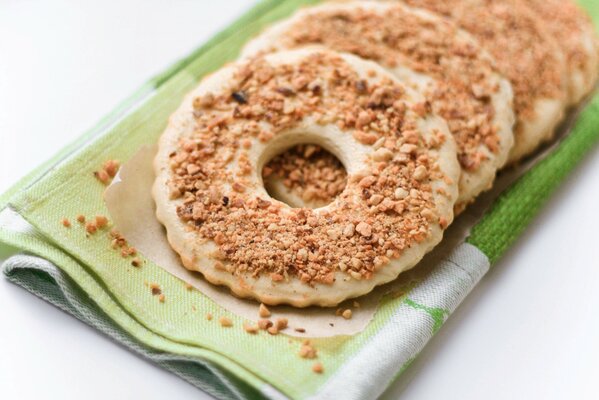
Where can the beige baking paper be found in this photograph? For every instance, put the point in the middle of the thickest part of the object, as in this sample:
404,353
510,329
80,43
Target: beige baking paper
131,206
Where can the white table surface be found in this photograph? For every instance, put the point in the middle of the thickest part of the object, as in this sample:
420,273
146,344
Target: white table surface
529,330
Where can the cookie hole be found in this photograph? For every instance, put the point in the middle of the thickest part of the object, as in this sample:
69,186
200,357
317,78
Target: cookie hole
305,175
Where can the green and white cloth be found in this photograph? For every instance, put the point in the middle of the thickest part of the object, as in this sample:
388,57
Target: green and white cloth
86,278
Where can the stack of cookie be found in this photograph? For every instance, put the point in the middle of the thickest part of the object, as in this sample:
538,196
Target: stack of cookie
371,124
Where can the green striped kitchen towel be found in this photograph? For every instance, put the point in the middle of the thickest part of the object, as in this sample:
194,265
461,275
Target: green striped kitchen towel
95,284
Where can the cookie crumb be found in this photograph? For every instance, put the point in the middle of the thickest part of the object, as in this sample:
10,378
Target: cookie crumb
264,324
136,262
209,316
356,304
347,314
81,218
273,330
188,286
225,322
300,330
91,228
101,221
307,350
102,176
155,288
318,368
281,323
66,223
161,298
249,328
263,311
111,167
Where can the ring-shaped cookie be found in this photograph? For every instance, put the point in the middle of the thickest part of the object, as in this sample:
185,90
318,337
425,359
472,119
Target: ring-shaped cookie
442,61
400,159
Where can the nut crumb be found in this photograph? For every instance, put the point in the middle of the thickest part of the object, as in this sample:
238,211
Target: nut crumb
155,288
264,324
307,350
101,221
273,330
250,328
66,223
225,322
347,314
136,262
263,311
102,176
209,316
91,228
80,218
281,323
318,368
111,167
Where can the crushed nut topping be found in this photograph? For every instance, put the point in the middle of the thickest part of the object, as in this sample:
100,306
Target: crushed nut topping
311,172
261,237
397,36
569,24
510,31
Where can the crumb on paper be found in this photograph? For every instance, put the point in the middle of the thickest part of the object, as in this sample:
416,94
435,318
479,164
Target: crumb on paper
161,298
281,323
263,311
209,316
347,314
136,262
66,223
264,324
81,218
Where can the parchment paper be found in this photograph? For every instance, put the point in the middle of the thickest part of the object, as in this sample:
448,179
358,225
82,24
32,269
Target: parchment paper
132,210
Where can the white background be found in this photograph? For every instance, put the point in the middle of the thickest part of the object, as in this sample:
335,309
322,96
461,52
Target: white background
529,330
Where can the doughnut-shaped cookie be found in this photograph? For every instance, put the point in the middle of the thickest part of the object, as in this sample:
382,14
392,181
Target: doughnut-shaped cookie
525,53
400,160
573,30
446,64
